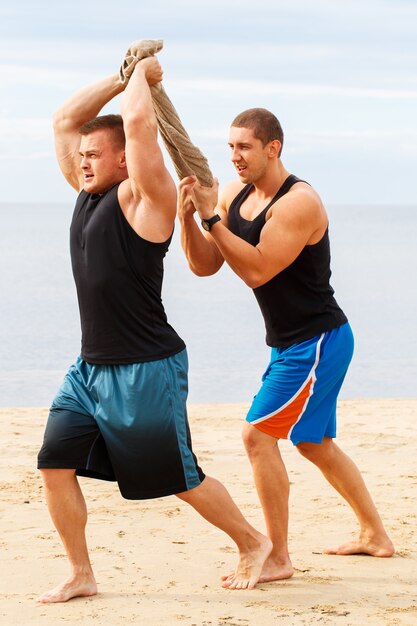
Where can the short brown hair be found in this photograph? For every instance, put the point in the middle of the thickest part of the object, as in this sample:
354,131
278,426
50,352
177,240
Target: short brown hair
110,122
264,124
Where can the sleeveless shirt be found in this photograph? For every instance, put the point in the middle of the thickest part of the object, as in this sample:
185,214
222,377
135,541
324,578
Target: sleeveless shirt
118,276
297,303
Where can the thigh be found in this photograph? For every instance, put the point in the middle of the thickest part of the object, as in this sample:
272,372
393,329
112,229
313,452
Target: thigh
319,418
285,389
143,419
73,441
78,389
297,400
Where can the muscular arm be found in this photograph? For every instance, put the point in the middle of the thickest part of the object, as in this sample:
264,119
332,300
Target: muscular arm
81,107
151,208
296,220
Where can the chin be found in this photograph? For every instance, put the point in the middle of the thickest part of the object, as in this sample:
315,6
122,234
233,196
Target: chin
92,188
244,178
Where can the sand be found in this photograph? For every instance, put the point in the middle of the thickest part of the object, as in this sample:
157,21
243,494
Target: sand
157,563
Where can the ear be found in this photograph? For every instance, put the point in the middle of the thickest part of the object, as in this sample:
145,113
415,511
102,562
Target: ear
274,149
122,159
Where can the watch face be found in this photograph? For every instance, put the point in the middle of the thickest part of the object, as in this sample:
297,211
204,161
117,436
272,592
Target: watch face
207,224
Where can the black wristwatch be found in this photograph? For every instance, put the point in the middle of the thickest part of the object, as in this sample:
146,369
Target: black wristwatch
208,224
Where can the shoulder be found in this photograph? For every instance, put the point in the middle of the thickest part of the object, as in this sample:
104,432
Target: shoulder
301,199
301,209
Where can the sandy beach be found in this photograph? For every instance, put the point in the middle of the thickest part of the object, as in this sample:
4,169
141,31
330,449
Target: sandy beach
157,563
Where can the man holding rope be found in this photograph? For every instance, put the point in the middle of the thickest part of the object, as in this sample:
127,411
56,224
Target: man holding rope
120,414
272,230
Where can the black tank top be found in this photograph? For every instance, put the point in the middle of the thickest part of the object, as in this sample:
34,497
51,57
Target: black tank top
297,303
119,279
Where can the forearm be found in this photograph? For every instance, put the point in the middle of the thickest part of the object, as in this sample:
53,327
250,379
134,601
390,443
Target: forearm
203,256
242,257
87,103
137,107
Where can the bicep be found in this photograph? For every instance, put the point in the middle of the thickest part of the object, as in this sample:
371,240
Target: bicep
282,240
149,178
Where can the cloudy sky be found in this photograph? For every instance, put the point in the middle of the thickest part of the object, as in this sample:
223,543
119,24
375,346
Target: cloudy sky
340,76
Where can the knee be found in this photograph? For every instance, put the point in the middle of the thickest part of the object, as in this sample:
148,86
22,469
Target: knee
249,438
186,496
255,441
55,478
200,493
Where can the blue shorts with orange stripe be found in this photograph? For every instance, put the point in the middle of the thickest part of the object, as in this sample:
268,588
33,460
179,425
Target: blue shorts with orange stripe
297,400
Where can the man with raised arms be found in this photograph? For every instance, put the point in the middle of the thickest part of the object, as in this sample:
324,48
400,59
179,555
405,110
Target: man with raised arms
120,413
272,230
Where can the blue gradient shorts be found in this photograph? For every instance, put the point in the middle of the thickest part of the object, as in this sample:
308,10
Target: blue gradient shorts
126,423
297,400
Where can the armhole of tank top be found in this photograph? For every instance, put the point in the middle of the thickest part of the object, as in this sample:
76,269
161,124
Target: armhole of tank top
291,180
80,203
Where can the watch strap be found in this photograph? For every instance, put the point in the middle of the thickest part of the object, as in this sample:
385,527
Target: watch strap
208,224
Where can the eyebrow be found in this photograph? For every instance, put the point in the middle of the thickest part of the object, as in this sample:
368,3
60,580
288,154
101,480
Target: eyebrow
239,143
87,152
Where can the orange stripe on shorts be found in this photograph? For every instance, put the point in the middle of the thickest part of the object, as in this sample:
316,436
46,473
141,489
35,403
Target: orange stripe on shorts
279,424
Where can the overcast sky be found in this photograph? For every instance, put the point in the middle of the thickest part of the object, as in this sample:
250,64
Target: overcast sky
340,76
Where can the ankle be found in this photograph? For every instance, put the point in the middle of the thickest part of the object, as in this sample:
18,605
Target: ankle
82,571
280,557
373,534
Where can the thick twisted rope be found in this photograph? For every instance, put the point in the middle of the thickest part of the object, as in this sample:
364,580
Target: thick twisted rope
186,157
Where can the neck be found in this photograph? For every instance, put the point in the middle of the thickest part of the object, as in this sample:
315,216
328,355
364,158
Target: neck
271,181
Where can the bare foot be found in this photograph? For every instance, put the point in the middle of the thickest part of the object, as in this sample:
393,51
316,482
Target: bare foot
382,547
250,566
74,587
276,570
273,569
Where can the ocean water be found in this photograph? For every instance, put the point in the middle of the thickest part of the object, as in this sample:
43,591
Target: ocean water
374,264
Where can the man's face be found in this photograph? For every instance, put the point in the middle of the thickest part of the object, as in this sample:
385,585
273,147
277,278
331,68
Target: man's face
248,155
100,161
